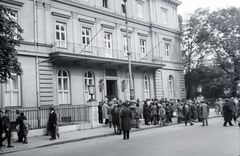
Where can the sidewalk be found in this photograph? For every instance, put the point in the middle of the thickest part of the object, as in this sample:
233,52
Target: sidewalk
43,141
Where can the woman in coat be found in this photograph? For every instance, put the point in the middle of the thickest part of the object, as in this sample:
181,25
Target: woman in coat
126,121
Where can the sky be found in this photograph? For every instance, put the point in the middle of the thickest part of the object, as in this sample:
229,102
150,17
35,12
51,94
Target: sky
189,6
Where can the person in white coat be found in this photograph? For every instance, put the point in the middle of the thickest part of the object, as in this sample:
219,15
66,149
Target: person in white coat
105,115
204,111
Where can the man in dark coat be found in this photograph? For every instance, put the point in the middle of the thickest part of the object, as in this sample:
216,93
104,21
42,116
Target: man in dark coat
126,121
7,129
146,113
53,123
115,118
227,113
19,122
100,118
187,114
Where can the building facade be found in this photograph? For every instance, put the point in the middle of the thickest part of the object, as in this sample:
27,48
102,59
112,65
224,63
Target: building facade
69,44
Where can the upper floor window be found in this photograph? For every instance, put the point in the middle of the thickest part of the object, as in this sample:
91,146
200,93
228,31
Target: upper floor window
142,46
105,3
164,16
170,87
61,34
167,51
63,87
12,92
140,10
86,37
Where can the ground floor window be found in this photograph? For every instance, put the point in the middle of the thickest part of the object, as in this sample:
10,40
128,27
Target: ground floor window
63,87
12,92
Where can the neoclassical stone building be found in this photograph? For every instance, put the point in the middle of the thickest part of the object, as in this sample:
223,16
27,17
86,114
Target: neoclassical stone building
69,44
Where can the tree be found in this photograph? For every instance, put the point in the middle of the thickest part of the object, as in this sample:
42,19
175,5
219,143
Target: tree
9,38
224,39
193,38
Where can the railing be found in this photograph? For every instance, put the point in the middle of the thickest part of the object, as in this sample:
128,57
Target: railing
38,117
104,52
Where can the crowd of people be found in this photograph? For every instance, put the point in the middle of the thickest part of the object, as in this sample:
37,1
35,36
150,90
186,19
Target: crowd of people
161,112
121,115
22,127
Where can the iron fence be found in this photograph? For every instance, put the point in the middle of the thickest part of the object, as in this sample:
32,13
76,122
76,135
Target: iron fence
38,117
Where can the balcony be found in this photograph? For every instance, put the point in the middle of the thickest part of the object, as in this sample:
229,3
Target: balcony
79,52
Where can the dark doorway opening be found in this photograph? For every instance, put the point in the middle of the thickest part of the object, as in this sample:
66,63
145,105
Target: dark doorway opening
111,88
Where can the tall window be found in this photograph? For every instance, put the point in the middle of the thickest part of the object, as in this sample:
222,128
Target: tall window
123,7
86,37
125,45
170,87
167,51
143,46
108,44
61,34
105,3
63,87
13,15
146,87
140,10
12,92
88,79
164,16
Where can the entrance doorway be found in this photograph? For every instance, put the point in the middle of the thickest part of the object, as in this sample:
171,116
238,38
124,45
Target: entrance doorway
111,88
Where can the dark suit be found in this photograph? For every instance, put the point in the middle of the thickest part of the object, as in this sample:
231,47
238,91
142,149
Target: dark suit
19,121
7,129
53,123
126,122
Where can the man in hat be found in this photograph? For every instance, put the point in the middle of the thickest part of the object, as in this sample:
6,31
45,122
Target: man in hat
1,128
126,116
19,122
7,129
52,123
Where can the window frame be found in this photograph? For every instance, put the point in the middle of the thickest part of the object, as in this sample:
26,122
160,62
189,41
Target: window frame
143,47
167,51
164,16
105,3
146,87
62,90
88,48
61,43
12,90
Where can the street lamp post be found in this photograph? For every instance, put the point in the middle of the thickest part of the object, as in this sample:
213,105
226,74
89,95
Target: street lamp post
199,90
129,53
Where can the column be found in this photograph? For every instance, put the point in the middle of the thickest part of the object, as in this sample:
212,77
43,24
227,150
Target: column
40,22
48,24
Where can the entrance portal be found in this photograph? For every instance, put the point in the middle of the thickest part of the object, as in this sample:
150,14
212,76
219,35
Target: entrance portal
111,88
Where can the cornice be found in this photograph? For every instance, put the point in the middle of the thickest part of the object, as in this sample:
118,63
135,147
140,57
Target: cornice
142,34
86,21
61,15
125,30
13,2
108,26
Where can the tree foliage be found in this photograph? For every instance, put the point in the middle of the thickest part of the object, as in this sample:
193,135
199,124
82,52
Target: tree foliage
9,38
224,39
216,33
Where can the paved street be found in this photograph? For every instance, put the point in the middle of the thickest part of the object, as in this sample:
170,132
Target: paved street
175,140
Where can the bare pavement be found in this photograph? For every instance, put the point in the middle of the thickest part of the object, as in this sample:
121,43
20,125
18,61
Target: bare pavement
67,137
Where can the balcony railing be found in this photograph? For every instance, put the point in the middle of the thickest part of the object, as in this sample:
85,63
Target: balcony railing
38,117
104,52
